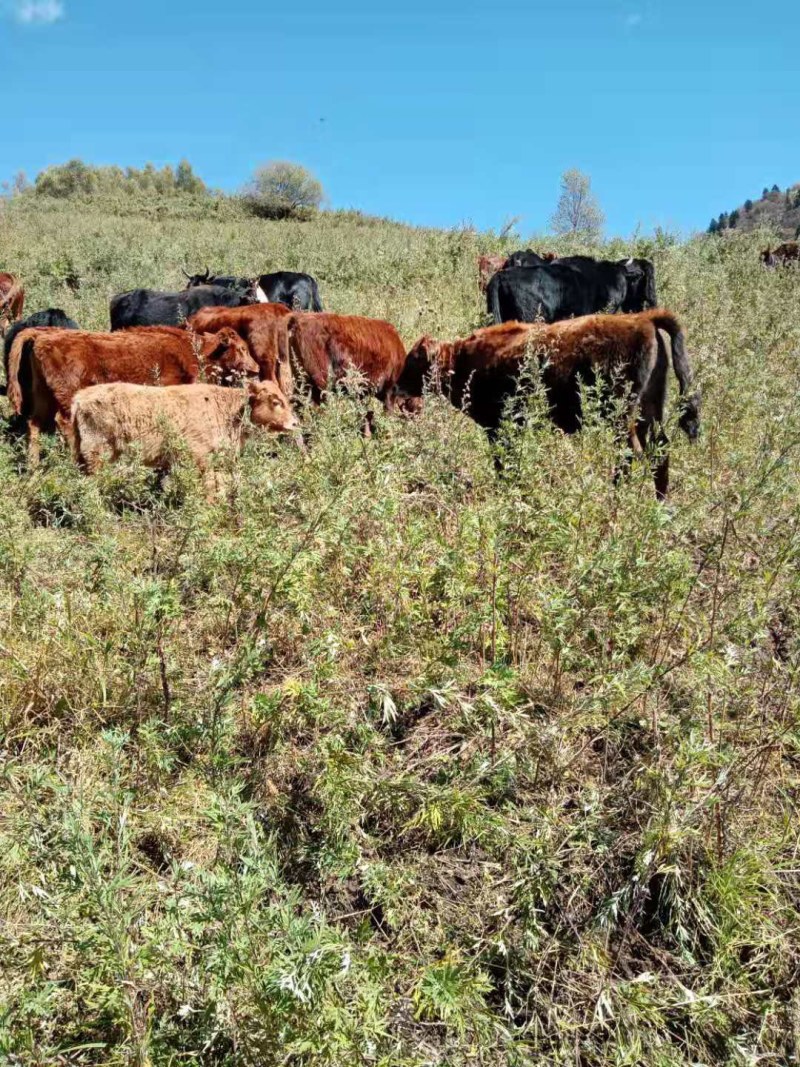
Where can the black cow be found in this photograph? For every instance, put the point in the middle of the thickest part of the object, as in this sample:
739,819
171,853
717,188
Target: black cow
50,317
528,258
571,286
227,281
148,307
297,291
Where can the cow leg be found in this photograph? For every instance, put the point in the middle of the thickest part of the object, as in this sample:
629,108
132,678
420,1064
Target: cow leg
34,444
660,464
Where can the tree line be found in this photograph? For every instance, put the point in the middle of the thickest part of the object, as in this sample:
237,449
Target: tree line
278,189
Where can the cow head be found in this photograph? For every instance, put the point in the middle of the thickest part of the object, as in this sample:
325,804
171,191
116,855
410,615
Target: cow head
640,279
193,280
525,258
419,363
227,356
270,408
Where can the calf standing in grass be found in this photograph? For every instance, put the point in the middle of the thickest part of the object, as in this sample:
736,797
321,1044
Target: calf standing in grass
629,352
108,419
326,346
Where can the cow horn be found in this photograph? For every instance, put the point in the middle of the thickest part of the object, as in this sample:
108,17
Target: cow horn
185,273
629,261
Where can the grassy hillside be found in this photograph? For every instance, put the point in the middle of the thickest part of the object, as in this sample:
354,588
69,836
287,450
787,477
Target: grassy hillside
384,759
776,211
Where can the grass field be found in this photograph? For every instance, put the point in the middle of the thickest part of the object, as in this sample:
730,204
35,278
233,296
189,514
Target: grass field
384,758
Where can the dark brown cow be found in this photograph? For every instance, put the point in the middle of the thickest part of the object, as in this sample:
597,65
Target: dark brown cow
789,252
263,328
488,266
12,300
627,351
48,367
326,346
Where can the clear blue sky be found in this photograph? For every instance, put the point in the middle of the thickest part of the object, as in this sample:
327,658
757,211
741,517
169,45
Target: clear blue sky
434,112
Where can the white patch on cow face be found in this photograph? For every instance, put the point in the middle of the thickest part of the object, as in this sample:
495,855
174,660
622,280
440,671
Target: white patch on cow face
261,296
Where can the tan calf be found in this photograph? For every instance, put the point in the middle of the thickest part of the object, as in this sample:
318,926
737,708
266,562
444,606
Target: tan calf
109,419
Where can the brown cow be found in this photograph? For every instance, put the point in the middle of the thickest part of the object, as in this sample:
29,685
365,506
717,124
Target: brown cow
12,300
488,266
325,346
789,252
627,351
47,367
263,327
108,419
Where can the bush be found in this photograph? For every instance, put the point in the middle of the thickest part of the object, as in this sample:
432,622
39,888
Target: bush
282,190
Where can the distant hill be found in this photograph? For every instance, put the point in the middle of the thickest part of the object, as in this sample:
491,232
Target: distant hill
778,210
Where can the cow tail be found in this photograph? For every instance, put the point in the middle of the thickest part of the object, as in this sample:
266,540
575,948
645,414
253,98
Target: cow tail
690,415
20,371
316,302
493,299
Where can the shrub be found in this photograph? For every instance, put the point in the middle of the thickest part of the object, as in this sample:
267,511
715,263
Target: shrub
283,190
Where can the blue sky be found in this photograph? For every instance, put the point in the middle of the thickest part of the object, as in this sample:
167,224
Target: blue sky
434,112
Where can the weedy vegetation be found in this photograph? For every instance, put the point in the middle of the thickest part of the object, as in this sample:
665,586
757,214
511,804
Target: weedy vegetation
385,756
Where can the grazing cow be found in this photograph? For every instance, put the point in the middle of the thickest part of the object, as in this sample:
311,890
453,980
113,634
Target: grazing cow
52,317
48,367
628,352
263,327
108,419
147,307
789,252
12,300
326,346
487,267
573,286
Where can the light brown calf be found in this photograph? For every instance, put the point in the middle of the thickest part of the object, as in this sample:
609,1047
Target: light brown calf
108,419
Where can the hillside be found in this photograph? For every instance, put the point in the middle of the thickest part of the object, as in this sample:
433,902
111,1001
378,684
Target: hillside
383,757
776,211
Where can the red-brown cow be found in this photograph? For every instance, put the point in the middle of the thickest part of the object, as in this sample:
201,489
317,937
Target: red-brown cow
488,266
263,328
789,252
629,352
12,300
48,367
326,346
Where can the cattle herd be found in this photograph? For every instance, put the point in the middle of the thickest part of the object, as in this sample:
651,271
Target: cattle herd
227,353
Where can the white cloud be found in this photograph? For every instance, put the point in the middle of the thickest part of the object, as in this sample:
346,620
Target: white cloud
634,19
37,12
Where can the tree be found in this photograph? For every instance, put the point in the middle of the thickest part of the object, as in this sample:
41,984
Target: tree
776,188
186,180
748,205
74,178
577,211
281,189
733,219
712,226
765,193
